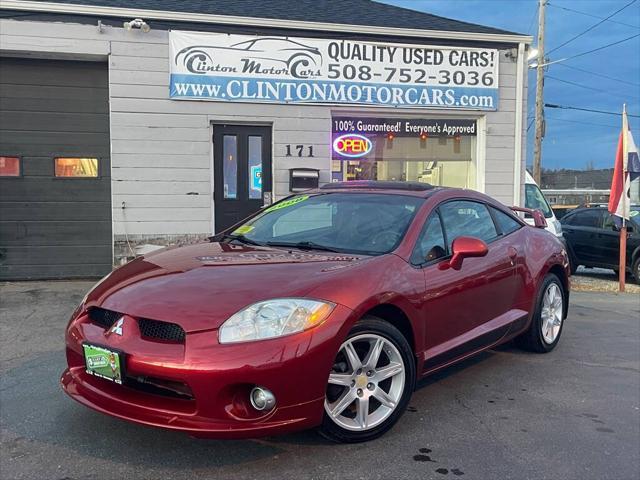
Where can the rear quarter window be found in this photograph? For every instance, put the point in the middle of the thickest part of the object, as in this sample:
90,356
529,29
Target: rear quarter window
506,223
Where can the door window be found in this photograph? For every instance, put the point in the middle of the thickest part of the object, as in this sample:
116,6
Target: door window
431,244
465,218
230,166
609,221
255,166
587,218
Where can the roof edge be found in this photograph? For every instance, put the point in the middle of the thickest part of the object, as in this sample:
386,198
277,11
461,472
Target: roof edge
52,7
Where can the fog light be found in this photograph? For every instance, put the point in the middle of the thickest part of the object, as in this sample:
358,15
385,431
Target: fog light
262,399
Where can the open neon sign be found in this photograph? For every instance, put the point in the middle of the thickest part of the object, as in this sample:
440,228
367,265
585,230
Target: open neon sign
352,145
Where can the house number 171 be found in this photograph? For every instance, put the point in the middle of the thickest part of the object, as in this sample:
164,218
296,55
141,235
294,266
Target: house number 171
300,150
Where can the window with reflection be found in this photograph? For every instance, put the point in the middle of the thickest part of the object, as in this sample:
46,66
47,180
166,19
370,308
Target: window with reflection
431,245
469,219
72,167
230,166
255,167
9,166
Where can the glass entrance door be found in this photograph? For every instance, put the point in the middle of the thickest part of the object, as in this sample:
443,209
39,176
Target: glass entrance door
242,172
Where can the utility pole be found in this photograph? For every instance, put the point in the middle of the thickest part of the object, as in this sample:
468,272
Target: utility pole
537,146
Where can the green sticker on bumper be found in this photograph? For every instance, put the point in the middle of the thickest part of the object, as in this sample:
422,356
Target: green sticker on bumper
103,363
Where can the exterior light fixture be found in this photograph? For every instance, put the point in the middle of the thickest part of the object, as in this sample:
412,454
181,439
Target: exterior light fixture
137,23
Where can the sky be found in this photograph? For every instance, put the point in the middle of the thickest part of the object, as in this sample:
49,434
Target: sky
574,139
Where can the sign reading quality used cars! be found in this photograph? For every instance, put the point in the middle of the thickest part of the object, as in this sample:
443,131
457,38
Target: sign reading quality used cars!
223,67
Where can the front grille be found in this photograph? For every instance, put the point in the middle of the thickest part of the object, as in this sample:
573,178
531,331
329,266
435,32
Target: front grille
104,318
169,332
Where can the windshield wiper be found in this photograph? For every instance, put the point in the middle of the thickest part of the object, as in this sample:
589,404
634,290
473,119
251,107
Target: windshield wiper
241,239
304,246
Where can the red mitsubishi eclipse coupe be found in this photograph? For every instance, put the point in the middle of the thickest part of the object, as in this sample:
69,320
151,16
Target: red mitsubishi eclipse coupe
323,309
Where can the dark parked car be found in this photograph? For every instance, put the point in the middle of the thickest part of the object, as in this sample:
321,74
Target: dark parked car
593,239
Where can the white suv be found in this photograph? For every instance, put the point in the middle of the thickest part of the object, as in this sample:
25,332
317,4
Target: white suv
534,199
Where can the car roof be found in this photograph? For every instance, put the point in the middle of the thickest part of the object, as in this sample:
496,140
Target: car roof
414,189
417,189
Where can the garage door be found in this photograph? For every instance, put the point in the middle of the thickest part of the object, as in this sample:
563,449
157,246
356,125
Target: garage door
55,185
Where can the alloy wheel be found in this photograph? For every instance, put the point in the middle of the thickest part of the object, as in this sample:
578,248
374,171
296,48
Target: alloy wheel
551,313
366,382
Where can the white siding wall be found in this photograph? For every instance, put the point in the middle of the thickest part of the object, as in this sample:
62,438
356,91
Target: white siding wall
161,148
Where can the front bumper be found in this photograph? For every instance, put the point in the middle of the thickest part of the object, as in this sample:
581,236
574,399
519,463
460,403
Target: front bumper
218,379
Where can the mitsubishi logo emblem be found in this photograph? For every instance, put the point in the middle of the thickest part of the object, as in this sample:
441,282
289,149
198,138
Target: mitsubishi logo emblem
117,328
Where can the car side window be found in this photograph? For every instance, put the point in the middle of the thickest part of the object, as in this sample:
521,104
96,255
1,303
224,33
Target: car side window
506,223
587,218
469,219
431,244
609,222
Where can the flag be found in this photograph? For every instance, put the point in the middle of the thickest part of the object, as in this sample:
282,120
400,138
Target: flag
626,169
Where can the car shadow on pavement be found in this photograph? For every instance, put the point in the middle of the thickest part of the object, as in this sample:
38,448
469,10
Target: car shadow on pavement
35,408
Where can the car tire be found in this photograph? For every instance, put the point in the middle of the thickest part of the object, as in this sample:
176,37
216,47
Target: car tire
547,322
573,266
636,270
368,382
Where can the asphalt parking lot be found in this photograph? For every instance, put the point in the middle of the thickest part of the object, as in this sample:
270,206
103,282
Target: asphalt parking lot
507,414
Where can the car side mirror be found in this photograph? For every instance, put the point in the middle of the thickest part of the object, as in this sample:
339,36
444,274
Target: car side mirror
464,247
538,217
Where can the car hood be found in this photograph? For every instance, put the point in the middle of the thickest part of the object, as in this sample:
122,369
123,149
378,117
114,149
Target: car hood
200,286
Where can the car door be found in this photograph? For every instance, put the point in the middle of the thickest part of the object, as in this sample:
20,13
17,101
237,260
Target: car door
469,308
581,230
608,242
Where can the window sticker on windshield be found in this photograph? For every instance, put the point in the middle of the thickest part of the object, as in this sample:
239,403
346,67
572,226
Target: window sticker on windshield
241,230
287,203
633,213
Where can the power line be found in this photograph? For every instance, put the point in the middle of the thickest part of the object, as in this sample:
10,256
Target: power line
591,27
530,123
593,16
565,107
591,51
590,88
581,123
533,17
599,75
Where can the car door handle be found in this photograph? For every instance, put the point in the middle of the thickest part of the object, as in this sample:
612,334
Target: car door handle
513,253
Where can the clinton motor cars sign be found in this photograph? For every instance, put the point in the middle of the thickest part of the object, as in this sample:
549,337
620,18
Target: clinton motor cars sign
241,68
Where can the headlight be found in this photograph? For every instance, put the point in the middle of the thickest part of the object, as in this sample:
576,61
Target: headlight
274,318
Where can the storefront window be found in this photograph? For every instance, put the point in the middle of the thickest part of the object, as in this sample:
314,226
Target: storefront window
438,152
76,167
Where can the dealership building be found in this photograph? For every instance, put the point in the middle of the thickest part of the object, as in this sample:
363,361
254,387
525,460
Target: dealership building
128,125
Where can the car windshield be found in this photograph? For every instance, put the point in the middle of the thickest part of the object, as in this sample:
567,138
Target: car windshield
358,223
535,200
635,216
